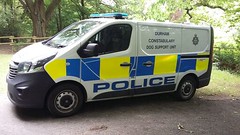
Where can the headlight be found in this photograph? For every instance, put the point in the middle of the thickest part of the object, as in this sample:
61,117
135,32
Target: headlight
24,67
29,67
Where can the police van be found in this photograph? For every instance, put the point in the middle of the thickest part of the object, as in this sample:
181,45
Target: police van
108,57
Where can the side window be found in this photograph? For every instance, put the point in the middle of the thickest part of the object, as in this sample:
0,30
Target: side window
111,39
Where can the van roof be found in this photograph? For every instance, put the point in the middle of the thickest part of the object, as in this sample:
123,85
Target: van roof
151,23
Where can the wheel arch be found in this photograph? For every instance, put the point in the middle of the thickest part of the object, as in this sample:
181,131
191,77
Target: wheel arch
67,82
192,75
185,90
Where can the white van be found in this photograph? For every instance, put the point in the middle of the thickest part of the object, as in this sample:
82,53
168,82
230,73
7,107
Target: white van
108,57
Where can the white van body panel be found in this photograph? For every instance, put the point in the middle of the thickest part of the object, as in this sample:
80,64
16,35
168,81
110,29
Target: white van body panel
157,41
158,55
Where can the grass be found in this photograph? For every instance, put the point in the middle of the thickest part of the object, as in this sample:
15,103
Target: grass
4,62
222,82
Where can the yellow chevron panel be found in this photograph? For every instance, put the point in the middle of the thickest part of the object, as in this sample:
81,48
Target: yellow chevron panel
110,68
56,69
165,64
202,64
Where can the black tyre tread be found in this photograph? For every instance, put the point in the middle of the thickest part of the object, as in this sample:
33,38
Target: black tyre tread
56,91
178,93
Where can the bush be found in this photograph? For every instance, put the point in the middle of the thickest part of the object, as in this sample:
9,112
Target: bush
228,58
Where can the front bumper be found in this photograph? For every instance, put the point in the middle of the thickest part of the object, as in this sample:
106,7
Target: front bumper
29,90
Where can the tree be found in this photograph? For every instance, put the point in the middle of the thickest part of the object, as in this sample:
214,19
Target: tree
234,18
40,14
10,18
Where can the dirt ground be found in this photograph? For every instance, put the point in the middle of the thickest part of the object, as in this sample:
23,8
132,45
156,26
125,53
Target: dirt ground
6,49
153,115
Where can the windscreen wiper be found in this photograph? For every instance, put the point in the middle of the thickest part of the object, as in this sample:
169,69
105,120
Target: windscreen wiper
60,46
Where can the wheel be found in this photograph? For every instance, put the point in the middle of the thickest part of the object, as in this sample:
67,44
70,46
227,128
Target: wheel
65,100
186,88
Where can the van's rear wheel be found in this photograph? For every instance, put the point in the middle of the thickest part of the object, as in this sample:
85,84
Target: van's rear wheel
65,100
186,88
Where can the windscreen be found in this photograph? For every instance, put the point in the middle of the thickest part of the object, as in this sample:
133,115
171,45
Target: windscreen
72,34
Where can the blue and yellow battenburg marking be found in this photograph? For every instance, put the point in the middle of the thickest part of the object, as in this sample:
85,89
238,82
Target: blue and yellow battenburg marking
91,69
62,67
198,62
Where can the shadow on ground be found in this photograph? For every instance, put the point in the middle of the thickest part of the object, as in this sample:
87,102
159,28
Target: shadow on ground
101,106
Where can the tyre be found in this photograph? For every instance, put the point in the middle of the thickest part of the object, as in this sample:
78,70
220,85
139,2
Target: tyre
186,88
65,100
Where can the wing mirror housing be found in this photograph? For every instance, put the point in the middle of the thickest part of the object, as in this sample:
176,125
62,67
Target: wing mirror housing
91,50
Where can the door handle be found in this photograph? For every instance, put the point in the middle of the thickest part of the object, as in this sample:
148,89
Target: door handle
148,63
125,64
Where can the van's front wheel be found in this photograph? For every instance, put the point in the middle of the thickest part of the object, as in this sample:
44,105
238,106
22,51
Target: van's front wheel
65,100
186,88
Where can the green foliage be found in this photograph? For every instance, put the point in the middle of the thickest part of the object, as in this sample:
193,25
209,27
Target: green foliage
7,26
233,16
70,11
13,21
228,58
158,10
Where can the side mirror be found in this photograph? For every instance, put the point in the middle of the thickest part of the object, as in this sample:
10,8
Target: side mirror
91,50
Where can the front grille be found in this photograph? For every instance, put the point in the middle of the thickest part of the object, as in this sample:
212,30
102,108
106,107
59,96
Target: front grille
13,70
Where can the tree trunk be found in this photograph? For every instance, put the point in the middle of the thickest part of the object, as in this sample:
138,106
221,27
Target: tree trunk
83,12
39,15
39,26
38,19
60,17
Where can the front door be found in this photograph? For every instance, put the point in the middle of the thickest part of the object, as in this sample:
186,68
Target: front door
108,74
